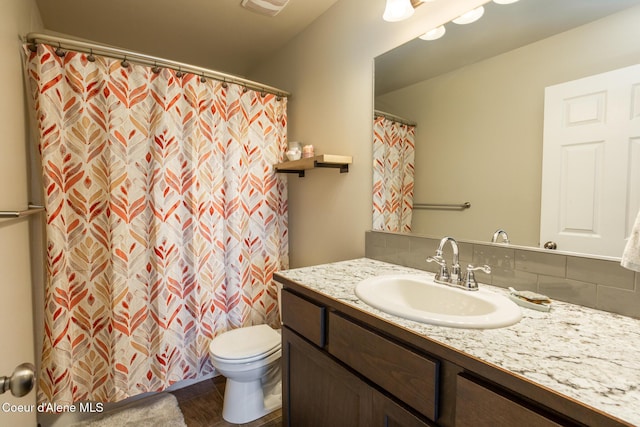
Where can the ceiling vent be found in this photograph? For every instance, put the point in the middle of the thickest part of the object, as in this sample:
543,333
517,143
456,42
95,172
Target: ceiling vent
265,7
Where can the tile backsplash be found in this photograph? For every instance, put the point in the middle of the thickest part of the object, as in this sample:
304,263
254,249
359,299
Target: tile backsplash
590,282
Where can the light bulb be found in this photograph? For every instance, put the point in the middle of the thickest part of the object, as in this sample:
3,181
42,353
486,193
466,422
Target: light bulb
397,10
434,34
469,17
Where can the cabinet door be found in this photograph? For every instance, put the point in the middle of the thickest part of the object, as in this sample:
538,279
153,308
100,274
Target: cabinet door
387,413
410,377
318,392
480,406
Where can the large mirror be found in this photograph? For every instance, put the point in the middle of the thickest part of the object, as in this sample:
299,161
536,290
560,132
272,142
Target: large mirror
476,96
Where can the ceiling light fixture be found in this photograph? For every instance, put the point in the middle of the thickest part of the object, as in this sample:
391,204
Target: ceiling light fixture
265,7
397,10
469,17
434,34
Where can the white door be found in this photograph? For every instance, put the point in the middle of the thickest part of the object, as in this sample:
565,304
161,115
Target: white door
591,162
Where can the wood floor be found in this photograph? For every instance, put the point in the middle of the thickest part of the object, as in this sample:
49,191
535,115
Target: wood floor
201,405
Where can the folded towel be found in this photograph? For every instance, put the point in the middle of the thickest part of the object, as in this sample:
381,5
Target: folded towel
631,254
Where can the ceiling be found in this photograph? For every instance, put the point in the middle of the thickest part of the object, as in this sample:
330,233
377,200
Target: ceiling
216,34
221,35
501,29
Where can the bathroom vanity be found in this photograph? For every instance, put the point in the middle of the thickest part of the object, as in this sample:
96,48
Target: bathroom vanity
348,364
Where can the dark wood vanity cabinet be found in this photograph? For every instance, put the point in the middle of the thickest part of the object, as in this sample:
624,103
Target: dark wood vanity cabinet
405,374
339,370
320,391
479,405
388,413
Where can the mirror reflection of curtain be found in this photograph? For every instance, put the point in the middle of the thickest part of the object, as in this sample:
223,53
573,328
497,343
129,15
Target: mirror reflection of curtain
165,221
393,174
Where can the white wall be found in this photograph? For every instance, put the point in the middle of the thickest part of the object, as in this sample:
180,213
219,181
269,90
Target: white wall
329,71
17,17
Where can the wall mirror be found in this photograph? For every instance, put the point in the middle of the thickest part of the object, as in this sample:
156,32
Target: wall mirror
477,98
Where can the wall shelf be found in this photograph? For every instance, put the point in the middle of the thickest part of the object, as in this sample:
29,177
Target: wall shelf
321,161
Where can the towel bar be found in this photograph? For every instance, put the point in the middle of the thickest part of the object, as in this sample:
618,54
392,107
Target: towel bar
461,206
33,209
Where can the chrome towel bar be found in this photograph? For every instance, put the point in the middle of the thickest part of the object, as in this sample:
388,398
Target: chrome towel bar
33,209
461,206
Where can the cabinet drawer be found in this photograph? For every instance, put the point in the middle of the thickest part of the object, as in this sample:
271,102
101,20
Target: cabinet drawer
409,376
304,317
480,406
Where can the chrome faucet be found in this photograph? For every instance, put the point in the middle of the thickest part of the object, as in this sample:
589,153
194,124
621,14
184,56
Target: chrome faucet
497,234
455,278
444,276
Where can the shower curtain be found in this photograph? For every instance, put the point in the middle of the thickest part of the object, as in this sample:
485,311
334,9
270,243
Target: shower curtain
165,220
393,174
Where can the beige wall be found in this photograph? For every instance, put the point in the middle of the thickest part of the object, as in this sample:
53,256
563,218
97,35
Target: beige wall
494,160
329,70
17,17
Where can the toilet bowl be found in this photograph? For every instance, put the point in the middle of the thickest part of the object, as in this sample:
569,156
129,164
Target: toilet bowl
249,358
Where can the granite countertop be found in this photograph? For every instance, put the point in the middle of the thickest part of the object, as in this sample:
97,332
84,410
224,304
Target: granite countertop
589,355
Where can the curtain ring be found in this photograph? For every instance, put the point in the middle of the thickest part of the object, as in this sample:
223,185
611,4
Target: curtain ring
61,53
263,94
179,73
155,68
245,89
203,79
90,57
224,84
33,47
125,63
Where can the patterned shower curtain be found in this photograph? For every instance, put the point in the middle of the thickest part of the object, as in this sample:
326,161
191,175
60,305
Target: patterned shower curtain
165,220
393,174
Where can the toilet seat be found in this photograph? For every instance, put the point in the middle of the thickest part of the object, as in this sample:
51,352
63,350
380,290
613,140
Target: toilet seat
246,344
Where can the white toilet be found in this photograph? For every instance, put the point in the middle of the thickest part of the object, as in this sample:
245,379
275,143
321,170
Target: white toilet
250,359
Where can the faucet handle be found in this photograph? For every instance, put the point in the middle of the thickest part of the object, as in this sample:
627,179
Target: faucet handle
443,275
438,260
486,268
469,281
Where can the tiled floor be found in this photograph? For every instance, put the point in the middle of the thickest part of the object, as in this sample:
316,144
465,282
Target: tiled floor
201,405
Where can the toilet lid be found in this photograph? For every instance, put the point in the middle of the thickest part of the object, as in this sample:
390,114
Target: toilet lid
243,343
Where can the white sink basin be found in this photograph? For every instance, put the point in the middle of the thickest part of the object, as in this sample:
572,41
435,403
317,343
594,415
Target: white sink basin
417,297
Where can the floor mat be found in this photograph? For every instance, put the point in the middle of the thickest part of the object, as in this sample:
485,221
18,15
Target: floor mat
160,410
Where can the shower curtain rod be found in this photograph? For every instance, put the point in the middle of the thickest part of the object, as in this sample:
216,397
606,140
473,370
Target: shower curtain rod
394,118
117,53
